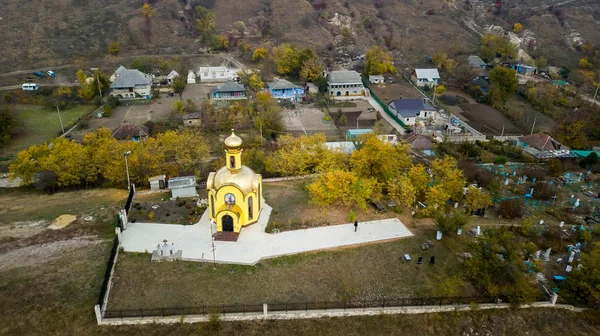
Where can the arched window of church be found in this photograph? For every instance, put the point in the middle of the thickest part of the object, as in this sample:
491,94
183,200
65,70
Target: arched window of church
229,199
232,161
212,205
250,208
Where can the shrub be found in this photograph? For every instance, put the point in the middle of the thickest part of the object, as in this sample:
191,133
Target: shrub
151,215
352,216
500,160
543,191
514,208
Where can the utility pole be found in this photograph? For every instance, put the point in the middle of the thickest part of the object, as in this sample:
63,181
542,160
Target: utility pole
502,131
597,87
60,119
532,127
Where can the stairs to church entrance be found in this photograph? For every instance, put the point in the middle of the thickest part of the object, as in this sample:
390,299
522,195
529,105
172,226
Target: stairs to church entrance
226,236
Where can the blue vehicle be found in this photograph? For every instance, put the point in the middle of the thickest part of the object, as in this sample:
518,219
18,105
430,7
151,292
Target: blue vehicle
39,74
51,73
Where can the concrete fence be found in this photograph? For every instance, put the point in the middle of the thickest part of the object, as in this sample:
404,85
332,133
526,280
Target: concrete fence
288,178
265,314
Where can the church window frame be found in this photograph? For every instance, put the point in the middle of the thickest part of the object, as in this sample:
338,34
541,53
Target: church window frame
232,161
250,208
212,205
229,199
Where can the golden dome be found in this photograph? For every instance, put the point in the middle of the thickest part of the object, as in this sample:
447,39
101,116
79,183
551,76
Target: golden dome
233,141
244,179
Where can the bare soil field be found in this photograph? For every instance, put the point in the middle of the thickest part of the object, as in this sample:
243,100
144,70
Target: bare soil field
488,120
398,90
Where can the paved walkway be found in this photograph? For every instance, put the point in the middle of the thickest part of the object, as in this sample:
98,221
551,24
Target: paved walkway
254,244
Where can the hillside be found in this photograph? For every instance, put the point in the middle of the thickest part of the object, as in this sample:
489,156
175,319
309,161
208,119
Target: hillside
45,33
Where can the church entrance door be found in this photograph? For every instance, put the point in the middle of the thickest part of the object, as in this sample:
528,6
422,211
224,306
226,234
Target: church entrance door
227,223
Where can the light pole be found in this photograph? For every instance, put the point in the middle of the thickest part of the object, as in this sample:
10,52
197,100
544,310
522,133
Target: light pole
126,154
357,119
60,119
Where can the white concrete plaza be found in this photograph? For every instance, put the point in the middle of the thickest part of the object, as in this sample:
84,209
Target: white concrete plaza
254,244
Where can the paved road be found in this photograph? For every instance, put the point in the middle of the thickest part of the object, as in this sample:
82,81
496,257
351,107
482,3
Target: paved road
254,244
16,87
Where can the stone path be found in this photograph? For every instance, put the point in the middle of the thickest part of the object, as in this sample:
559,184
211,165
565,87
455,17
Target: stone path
254,244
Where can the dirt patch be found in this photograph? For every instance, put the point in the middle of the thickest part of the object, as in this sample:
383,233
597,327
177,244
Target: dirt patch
166,211
39,254
488,120
400,90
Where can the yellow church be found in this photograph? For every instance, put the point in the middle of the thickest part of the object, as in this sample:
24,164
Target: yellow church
234,192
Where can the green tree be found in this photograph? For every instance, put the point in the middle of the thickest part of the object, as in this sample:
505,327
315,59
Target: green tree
504,80
496,267
585,281
179,84
378,62
495,45
205,21
8,125
86,88
240,27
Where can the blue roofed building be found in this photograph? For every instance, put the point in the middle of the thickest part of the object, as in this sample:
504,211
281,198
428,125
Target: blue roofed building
411,110
282,89
228,91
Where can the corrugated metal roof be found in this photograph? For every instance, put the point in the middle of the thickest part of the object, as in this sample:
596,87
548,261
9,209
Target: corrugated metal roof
182,182
131,78
282,84
344,76
229,86
429,74
476,61
128,131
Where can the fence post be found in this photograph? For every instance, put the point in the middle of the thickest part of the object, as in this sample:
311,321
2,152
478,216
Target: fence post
326,303
142,312
98,314
265,310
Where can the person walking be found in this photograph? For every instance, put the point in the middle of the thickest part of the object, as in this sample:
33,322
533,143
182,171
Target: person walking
355,226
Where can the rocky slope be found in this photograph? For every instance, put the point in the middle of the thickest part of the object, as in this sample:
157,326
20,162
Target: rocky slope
40,33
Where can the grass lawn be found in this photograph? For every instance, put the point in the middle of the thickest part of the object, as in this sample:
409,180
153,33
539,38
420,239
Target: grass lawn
41,125
367,272
292,209
18,205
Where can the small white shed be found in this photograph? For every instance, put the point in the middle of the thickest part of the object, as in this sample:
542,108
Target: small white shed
183,186
376,79
158,182
191,78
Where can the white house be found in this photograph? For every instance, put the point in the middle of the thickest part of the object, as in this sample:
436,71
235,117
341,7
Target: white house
157,182
422,77
411,110
217,74
191,78
171,76
183,186
345,83
131,84
376,79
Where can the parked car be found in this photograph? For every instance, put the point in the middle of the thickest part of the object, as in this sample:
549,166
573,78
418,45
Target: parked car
39,74
51,73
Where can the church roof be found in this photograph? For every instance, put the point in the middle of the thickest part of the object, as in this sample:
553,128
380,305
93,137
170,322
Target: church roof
244,179
233,141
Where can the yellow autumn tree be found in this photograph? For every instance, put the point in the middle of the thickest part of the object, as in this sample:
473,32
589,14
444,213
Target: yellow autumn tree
436,199
342,187
380,160
147,10
402,191
378,62
258,54
419,178
517,28
312,69
477,199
